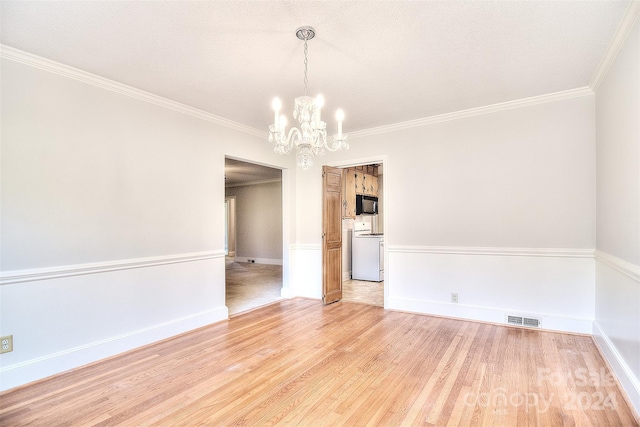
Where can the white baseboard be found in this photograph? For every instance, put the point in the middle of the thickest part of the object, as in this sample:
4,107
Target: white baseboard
615,327
346,275
285,293
309,293
270,261
552,322
623,373
31,370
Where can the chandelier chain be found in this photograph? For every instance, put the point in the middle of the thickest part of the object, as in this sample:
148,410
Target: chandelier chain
306,80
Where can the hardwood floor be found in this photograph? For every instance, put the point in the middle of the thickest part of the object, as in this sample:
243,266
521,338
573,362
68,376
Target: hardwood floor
298,362
250,285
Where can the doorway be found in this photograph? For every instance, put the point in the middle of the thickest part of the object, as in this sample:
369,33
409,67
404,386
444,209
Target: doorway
362,180
253,235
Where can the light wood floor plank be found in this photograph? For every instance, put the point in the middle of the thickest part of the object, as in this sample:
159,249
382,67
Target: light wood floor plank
297,362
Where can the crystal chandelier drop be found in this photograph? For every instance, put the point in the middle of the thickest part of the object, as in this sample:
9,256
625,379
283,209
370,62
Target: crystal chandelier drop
311,139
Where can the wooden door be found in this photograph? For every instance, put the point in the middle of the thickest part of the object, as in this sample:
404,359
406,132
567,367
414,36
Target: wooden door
331,234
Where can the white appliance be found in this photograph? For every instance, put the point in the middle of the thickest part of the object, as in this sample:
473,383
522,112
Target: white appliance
367,253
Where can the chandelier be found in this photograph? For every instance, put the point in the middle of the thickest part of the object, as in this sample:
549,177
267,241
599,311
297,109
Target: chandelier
311,139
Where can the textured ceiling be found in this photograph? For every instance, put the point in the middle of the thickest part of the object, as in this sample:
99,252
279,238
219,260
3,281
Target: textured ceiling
382,62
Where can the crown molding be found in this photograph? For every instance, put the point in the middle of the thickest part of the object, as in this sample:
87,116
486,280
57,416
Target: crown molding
256,182
622,32
83,76
86,77
471,112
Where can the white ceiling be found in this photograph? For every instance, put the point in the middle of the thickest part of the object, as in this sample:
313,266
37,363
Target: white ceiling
383,62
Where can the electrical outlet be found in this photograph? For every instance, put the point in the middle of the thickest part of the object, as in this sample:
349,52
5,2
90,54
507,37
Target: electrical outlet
454,297
7,344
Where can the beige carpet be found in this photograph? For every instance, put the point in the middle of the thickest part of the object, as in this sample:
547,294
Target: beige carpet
251,285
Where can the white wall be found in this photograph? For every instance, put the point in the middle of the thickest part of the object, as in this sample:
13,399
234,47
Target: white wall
258,222
112,219
519,182
617,319
115,208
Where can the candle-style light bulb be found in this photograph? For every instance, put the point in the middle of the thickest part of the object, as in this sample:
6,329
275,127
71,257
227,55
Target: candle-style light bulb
339,118
276,104
319,104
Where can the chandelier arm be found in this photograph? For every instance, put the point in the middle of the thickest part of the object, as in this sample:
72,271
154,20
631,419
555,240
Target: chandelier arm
337,143
287,149
293,138
287,144
328,147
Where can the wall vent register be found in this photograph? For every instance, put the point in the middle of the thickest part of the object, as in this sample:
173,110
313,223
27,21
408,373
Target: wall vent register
531,322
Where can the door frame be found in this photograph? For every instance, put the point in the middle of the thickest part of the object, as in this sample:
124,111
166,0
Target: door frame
379,159
231,225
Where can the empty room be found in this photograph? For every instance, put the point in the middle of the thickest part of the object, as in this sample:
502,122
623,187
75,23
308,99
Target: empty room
445,196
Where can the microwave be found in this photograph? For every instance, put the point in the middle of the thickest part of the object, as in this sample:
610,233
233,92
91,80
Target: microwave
366,205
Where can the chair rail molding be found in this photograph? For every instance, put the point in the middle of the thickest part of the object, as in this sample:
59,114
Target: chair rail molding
495,251
30,275
620,265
